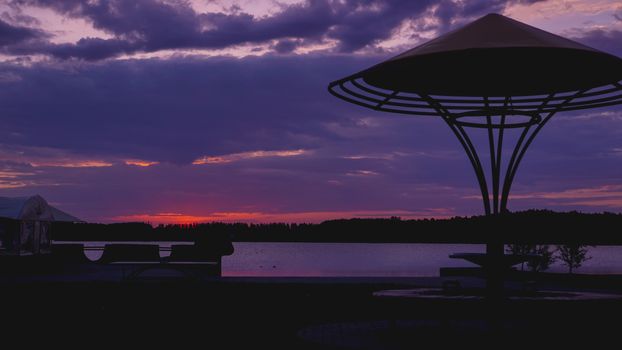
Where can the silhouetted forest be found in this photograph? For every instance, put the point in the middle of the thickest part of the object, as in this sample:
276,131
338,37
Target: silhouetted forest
532,226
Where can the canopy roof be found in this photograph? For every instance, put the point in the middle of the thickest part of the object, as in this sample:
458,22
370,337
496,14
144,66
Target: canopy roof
32,208
497,58
493,31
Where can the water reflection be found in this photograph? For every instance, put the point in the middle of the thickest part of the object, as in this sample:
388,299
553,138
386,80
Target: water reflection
376,260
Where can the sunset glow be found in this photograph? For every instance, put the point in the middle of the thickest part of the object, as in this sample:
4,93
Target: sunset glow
196,111
73,164
311,174
141,163
228,158
302,217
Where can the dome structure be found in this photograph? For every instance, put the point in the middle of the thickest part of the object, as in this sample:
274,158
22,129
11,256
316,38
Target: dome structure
496,74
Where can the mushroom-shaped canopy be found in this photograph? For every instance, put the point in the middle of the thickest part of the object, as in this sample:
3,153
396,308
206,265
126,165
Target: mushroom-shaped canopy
494,56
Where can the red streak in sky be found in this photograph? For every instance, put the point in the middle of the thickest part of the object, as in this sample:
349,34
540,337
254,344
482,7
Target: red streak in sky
258,217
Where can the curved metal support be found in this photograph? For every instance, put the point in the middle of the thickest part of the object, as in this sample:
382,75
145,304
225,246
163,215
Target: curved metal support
497,203
387,99
513,168
493,165
507,182
516,160
355,90
479,170
470,150
453,110
456,110
495,153
534,118
497,175
509,178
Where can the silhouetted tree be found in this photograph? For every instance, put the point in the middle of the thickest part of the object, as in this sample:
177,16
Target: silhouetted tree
573,255
546,255
544,261
517,227
519,249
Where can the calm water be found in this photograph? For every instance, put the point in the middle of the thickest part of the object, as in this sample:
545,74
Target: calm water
386,259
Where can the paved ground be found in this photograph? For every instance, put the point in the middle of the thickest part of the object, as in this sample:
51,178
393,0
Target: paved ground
96,307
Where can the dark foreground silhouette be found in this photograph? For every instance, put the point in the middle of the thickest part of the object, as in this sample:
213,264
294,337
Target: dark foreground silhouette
70,309
243,314
532,226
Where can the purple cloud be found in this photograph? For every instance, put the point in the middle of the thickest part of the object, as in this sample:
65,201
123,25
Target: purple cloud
117,138
605,40
286,46
11,35
149,26
61,118
175,110
453,14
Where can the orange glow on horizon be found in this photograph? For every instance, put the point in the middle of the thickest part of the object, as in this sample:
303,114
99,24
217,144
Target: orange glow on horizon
259,217
140,163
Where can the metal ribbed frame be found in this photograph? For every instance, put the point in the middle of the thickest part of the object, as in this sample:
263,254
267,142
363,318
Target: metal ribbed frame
454,110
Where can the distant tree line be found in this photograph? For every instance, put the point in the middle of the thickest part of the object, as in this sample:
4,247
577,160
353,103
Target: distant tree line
526,227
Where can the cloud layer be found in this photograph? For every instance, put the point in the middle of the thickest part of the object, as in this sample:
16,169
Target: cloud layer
258,137
152,26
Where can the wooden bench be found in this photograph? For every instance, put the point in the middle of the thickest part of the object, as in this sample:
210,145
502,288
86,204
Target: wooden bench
189,260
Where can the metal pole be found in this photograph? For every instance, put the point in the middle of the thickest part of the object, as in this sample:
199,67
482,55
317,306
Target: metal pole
469,149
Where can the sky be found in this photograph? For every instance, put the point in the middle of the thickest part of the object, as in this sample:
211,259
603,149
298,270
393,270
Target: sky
176,111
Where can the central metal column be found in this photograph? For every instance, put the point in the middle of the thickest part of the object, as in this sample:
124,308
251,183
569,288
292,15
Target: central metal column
495,197
500,190
497,203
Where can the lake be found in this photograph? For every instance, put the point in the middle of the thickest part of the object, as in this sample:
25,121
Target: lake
376,259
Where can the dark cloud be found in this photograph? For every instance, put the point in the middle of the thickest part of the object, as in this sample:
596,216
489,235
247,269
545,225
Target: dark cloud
175,110
286,46
149,25
16,16
90,49
11,35
605,40
452,14
359,27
